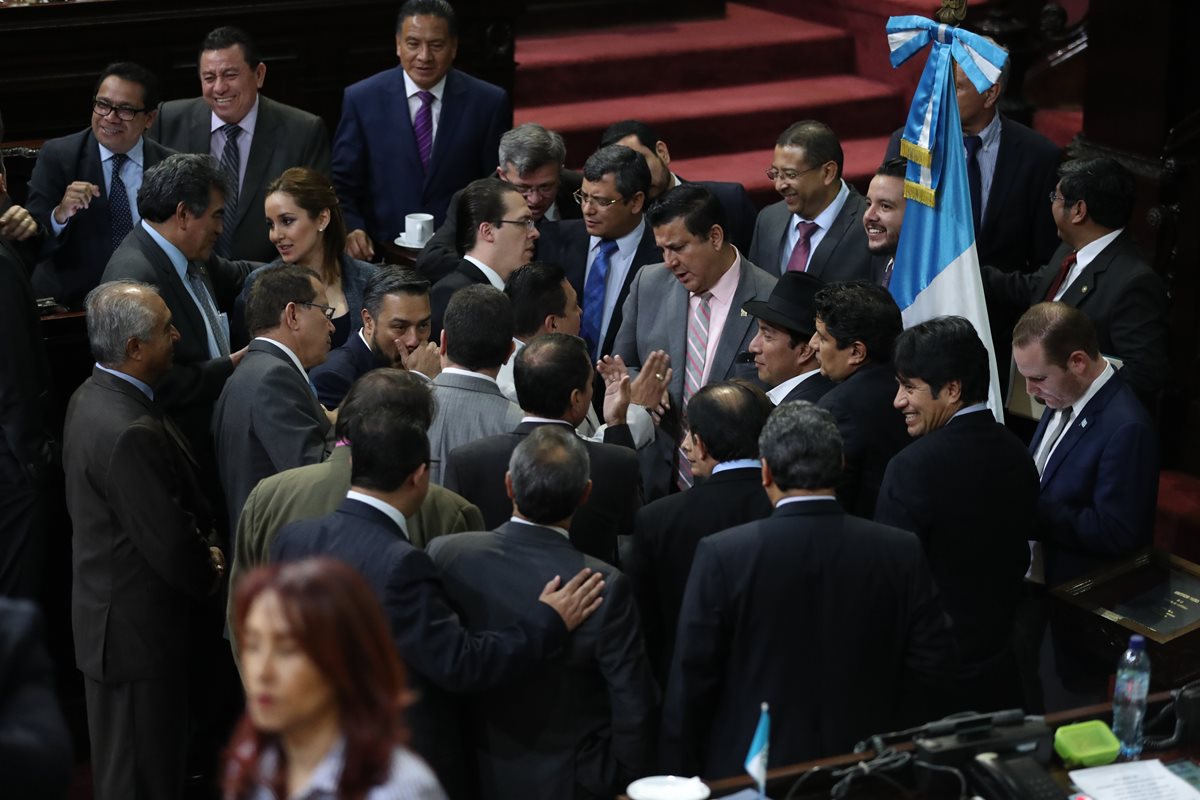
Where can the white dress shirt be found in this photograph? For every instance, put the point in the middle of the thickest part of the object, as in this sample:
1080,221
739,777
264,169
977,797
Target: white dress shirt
216,142
411,90
824,220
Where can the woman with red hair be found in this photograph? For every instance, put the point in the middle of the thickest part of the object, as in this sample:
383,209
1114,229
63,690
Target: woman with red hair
324,692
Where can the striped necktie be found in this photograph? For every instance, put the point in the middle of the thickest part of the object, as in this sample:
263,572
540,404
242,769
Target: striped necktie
693,373
423,128
231,159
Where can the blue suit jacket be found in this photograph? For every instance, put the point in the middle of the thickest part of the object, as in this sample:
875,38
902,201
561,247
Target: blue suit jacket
376,168
1100,486
341,369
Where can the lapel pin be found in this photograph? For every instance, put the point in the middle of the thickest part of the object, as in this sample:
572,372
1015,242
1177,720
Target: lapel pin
744,314
1082,424
1083,289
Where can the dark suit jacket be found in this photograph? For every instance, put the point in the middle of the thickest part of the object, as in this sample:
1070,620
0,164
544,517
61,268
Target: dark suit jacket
283,137
266,420
1100,487
811,389
740,213
580,727
138,556
341,369
665,535
476,471
872,432
25,437
75,261
377,170
440,255
842,254
1122,296
969,490
466,274
833,620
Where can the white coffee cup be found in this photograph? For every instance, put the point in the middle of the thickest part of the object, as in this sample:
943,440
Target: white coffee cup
667,787
418,228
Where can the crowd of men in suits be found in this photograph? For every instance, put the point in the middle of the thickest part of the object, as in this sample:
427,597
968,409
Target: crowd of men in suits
615,375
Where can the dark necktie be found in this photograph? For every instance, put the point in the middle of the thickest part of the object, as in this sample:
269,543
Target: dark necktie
120,215
974,178
1060,425
1063,272
423,128
208,307
231,159
593,297
798,261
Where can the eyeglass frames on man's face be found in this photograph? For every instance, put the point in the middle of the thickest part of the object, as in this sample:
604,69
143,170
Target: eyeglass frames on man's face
775,173
1055,197
529,222
599,202
104,108
326,310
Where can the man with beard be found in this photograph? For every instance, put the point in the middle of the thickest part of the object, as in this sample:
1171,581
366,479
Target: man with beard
885,212
395,333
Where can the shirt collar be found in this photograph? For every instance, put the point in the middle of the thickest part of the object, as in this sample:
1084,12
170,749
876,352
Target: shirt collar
784,389
178,259
135,152
675,181
804,499
543,420
1086,254
246,123
971,409
627,243
286,351
493,277
411,88
561,531
825,219
392,512
990,135
461,371
726,287
1103,378
737,463
146,388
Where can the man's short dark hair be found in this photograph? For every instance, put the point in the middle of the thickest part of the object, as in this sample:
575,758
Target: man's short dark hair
1061,329
728,417
536,291
647,137
802,446
389,447
385,386
895,167
549,470
482,201
187,178
818,141
547,370
391,279
275,287
629,170
1103,184
134,73
862,312
697,206
478,327
432,8
228,36
942,350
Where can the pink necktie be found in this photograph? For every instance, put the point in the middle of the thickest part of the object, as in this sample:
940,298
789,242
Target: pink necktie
798,262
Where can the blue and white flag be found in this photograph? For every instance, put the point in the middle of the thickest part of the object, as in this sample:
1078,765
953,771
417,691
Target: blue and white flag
936,272
756,758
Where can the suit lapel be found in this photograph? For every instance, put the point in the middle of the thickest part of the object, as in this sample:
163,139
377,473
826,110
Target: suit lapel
1085,284
402,143
449,123
647,252
678,314
821,256
1080,427
187,314
199,127
1002,184
93,172
737,324
256,163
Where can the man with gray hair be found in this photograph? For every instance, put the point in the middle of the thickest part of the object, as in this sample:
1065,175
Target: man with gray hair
583,724
532,159
809,597
142,549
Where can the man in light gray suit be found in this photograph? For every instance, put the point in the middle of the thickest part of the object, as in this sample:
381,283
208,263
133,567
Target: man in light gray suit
267,418
691,307
476,340
817,226
251,135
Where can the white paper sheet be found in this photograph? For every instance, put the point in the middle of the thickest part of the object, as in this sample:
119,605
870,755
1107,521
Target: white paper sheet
1135,780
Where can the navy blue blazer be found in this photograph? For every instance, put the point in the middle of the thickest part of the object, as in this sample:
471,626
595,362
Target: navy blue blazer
341,369
377,170
1100,486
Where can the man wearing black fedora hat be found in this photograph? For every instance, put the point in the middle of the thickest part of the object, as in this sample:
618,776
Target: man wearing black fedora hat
783,354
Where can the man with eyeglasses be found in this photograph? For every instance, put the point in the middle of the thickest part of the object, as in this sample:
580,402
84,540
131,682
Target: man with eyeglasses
83,191
496,234
817,226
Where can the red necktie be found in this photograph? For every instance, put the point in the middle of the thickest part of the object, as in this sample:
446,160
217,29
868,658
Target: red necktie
1063,271
798,261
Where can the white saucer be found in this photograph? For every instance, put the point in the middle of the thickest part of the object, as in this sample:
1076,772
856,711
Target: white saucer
402,241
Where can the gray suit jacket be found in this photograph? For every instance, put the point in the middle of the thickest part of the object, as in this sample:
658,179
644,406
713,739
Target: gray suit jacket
842,254
266,420
467,407
283,137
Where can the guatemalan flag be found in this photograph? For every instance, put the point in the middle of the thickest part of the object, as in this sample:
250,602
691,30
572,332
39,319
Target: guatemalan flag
756,757
937,267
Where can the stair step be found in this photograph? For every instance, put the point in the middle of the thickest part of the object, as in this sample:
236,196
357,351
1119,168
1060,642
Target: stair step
710,121
749,46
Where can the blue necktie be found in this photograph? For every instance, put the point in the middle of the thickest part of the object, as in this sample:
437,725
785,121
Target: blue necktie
120,215
974,178
593,297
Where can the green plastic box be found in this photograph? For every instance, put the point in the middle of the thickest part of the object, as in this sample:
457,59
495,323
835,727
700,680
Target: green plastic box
1087,744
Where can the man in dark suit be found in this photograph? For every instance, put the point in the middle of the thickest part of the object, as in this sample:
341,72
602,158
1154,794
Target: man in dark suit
581,726
72,193
1100,270
884,216
496,234
782,348
395,333
140,555
369,531
817,226
857,324
969,490
643,139
532,159
267,419
834,621
253,137
415,134
724,421
553,376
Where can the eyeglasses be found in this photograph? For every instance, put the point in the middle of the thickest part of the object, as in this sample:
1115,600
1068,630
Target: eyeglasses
529,222
326,310
1055,197
789,174
104,108
599,202
542,190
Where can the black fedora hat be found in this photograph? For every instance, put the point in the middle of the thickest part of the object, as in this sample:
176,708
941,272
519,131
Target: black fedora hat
790,305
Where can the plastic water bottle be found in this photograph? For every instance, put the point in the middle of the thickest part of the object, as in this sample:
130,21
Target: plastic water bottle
1129,697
